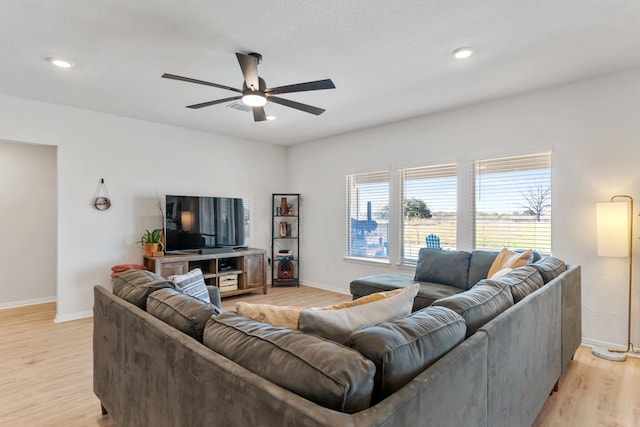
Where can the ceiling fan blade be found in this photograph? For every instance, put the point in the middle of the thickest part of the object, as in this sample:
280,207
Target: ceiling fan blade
297,105
302,87
249,66
217,101
258,114
200,82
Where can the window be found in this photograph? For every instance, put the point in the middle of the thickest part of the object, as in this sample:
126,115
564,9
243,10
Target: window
428,197
368,215
512,202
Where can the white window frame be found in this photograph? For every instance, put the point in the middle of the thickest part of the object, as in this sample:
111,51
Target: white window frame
499,191
430,185
360,244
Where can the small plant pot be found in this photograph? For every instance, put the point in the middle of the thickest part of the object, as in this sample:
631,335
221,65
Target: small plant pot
151,248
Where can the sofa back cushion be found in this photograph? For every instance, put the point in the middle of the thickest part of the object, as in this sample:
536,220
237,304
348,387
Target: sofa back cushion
184,312
550,268
403,348
479,265
480,304
336,323
522,281
321,371
444,267
135,286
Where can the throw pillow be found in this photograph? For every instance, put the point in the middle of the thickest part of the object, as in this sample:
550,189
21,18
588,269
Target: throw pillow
364,300
338,324
192,284
286,317
511,259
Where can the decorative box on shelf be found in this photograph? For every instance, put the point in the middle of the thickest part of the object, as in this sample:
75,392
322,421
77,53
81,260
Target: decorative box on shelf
228,282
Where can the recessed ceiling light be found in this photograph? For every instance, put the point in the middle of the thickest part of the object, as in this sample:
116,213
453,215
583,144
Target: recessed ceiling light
270,117
60,62
462,52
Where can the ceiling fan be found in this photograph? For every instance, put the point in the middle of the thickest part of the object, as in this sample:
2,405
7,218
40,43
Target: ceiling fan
254,91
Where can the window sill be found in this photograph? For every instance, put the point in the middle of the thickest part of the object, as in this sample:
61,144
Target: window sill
363,260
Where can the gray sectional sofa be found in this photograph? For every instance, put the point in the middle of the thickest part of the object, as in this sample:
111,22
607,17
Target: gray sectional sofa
162,359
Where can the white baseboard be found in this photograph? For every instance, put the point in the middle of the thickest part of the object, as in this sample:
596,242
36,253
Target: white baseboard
24,303
597,343
72,316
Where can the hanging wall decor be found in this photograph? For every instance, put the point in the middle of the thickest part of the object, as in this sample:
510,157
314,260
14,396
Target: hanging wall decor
102,201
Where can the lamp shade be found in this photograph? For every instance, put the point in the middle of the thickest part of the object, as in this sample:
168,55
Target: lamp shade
186,218
613,229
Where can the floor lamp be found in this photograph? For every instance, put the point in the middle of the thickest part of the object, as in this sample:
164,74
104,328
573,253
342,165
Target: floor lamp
615,237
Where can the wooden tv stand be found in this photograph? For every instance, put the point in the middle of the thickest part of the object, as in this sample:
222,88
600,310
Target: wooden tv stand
218,268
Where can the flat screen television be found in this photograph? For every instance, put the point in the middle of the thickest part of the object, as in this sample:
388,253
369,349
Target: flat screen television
203,224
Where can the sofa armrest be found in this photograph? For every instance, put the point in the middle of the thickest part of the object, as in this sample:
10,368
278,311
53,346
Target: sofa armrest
214,295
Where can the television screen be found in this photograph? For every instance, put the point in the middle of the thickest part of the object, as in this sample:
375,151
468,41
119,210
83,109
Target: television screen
193,223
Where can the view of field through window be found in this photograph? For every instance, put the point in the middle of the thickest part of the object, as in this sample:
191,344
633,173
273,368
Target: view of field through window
511,207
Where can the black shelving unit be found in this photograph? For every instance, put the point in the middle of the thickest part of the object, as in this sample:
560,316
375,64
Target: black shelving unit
285,239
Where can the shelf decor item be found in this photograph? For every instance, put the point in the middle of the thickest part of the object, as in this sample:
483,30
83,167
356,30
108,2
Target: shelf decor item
152,242
285,239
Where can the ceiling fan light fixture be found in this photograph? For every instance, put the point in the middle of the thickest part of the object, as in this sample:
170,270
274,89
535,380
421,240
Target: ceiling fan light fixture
254,100
60,62
462,52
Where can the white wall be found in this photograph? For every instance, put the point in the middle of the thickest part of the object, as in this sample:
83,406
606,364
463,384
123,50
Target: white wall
593,129
139,161
28,215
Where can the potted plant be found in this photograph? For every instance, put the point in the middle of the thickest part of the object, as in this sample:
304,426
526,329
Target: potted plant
152,241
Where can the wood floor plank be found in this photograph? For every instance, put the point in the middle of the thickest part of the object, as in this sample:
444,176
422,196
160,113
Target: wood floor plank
46,372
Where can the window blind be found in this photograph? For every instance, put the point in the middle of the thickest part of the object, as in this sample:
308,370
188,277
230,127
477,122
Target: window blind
428,205
512,202
367,201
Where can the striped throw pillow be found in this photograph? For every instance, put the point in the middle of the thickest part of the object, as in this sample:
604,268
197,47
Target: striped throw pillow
192,284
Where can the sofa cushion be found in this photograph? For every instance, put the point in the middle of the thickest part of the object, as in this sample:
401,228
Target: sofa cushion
521,281
479,265
338,324
427,294
321,371
509,259
445,267
478,305
550,268
135,286
184,312
192,283
403,348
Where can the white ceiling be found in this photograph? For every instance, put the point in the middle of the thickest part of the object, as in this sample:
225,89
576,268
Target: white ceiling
389,60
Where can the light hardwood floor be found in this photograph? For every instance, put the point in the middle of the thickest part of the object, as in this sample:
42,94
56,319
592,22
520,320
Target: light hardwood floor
46,380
